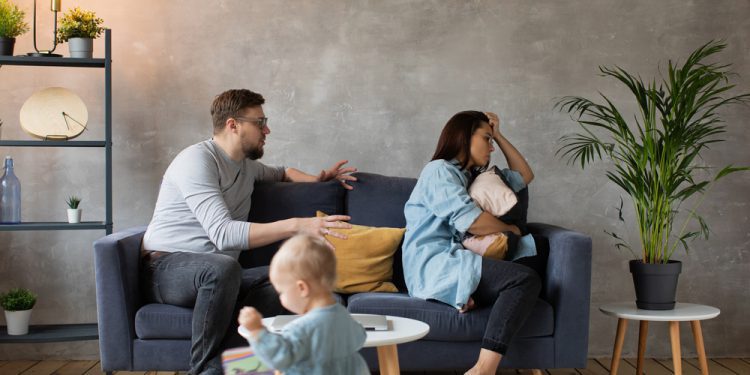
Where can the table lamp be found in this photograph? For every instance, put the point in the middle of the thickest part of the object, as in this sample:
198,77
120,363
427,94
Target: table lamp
55,7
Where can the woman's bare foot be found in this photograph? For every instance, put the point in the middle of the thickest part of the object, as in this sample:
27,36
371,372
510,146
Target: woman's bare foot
487,363
468,306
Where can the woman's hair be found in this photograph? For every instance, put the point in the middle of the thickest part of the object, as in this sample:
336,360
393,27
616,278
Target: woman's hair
307,258
455,139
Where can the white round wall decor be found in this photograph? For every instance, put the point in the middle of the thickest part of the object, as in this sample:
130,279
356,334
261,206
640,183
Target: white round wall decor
54,113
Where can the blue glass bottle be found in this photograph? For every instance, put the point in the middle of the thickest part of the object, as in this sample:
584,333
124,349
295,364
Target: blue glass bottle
10,195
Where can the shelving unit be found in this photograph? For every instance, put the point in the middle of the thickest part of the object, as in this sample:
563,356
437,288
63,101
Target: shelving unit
67,332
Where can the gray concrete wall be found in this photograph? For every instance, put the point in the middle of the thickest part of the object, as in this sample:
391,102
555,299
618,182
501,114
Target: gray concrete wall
373,82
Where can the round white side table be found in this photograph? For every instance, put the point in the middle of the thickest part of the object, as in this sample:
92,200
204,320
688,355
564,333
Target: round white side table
400,330
693,313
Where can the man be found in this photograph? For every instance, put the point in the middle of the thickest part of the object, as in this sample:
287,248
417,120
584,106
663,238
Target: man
191,246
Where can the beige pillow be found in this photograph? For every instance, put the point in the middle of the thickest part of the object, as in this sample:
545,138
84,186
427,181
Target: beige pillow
491,194
364,261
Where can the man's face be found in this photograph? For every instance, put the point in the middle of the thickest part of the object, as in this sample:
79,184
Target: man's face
251,133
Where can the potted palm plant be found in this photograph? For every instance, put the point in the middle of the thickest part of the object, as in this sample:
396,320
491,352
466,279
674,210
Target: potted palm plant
655,159
12,25
17,304
79,28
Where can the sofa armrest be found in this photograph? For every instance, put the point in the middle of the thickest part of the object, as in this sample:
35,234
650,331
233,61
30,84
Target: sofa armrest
116,258
568,290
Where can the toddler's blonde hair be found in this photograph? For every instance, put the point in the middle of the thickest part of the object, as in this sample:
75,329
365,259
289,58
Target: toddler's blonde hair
307,258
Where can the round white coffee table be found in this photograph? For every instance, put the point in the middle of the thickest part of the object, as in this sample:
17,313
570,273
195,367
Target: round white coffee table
400,330
693,313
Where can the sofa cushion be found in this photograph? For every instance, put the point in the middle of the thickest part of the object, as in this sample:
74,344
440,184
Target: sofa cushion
378,201
446,323
273,201
162,321
364,260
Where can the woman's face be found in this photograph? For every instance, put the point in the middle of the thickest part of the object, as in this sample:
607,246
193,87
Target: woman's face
481,146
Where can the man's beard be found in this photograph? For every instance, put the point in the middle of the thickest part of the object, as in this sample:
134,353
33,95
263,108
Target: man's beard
254,153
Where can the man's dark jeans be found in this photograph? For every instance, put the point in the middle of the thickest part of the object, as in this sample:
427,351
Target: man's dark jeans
512,290
210,284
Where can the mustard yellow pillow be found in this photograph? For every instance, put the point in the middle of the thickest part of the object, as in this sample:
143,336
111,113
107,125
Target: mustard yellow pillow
364,261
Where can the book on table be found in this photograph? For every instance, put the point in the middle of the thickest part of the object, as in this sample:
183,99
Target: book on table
243,361
370,322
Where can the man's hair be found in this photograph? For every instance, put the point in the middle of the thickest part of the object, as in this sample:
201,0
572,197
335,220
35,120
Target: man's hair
455,139
307,258
230,103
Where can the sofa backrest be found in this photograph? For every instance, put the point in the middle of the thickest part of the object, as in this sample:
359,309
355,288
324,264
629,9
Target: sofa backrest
273,201
378,201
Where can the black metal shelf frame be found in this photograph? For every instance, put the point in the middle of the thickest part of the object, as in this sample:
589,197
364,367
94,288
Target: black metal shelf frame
53,143
67,332
52,333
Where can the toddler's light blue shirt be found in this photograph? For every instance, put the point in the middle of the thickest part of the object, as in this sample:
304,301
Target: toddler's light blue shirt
324,341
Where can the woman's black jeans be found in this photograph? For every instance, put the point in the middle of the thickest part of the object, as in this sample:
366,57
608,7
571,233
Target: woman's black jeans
512,290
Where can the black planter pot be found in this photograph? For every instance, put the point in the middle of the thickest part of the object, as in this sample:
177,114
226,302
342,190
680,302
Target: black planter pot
655,284
6,46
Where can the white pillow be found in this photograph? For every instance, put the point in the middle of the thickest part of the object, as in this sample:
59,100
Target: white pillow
491,194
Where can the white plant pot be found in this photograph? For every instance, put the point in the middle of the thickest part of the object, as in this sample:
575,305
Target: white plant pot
81,47
74,215
18,322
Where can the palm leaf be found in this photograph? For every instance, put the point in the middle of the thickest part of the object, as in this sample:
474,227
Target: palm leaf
655,156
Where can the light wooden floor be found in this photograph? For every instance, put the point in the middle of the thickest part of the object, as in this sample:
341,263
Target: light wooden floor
599,366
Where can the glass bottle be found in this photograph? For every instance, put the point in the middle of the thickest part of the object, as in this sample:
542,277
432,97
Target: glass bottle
10,195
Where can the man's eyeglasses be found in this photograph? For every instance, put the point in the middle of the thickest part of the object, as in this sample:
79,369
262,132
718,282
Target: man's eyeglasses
258,121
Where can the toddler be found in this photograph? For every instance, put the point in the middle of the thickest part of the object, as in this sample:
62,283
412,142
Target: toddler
325,339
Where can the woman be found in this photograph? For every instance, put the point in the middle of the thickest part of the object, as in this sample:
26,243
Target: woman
438,215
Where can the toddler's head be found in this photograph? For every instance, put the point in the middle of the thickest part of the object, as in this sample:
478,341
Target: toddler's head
303,270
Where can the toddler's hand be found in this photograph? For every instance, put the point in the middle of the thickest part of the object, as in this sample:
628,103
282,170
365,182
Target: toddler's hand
251,319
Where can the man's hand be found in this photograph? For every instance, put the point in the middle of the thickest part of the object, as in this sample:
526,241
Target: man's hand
321,227
251,319
339,173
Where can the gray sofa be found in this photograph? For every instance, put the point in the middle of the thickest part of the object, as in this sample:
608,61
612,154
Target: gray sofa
137,336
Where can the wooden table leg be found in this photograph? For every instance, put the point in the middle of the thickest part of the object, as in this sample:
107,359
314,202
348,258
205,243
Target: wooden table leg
388,360
642,334
698,336
622,324
674,335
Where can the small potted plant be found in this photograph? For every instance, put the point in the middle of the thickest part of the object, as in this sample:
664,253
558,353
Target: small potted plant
17,304
74,213
79,28
12,25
